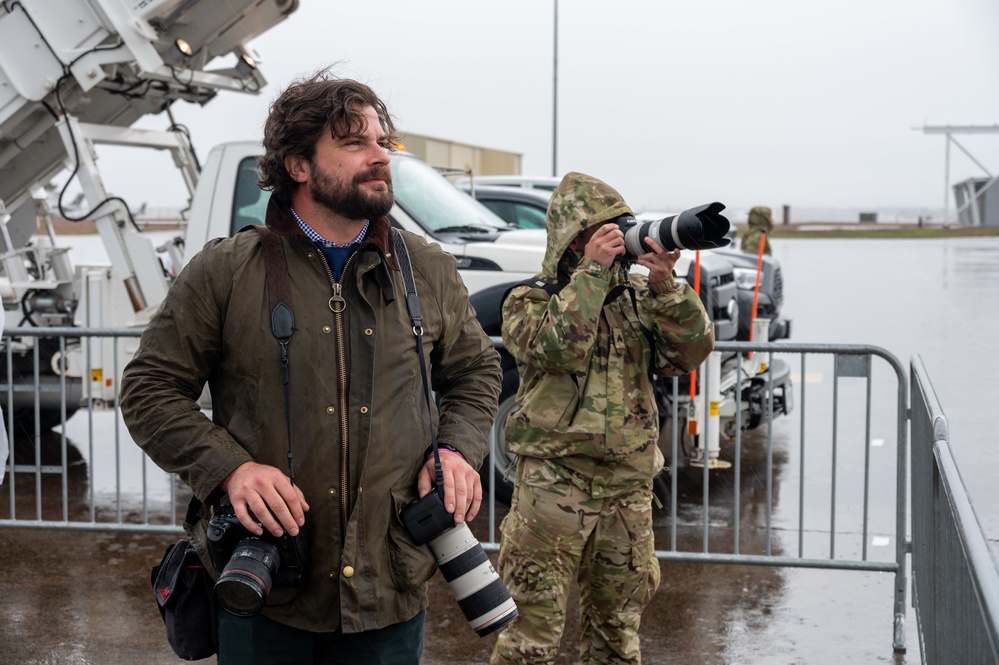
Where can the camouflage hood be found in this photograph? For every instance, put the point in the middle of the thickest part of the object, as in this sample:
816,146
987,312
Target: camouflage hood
581,201
759,218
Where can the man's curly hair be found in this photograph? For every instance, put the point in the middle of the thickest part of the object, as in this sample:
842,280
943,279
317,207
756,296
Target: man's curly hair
300,115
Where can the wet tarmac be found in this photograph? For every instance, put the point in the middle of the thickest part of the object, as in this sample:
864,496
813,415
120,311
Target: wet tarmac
83,596
938,298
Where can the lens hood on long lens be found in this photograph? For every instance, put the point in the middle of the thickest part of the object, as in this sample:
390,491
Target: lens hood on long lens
703,227
244,583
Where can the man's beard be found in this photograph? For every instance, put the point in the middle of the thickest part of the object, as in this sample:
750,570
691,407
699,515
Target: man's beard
348,199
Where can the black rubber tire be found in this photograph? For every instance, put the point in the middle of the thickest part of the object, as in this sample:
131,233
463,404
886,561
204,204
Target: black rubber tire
494,467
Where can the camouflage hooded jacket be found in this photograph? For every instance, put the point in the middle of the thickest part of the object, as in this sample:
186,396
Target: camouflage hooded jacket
586,398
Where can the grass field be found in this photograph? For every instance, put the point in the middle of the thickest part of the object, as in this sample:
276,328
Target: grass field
857,230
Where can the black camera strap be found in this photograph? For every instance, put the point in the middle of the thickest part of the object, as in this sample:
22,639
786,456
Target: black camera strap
282,325
282,318
416,316
613,295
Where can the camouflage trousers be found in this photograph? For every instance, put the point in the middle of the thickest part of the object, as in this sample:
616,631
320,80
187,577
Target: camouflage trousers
555,531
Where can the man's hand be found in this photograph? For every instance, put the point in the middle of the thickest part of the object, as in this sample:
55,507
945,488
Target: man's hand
267,493
659,262
462,487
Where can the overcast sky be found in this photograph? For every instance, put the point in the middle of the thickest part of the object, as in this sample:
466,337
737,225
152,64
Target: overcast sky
805,103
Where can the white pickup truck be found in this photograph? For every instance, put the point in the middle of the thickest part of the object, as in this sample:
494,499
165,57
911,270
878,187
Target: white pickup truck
74,80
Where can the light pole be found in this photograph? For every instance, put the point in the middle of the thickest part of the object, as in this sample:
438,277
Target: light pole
555,96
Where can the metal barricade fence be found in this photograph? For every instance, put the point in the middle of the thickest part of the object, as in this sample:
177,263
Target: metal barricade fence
87,474
955,587
737,518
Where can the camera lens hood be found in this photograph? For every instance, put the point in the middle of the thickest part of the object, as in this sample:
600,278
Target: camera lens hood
703,227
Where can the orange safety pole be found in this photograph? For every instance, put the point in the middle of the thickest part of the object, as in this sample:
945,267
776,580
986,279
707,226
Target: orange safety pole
756,289
692,424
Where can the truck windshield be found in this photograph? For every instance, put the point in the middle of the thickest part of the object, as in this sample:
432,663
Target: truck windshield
436,204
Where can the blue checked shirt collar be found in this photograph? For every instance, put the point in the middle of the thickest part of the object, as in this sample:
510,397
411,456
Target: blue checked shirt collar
319,240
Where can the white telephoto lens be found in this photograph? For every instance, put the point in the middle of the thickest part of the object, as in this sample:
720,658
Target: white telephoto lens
481,594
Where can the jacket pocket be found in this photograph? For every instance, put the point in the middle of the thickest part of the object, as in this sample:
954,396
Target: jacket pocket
550,404
410,565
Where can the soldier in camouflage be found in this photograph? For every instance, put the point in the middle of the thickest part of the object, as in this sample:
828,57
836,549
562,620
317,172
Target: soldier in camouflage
586,336
760,221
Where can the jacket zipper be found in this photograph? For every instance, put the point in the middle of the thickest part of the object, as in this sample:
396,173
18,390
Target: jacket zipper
337,305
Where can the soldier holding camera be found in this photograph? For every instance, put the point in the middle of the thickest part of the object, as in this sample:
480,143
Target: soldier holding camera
318,435
587,334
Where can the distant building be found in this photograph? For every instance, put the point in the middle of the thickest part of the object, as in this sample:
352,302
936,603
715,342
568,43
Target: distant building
980,211
460,158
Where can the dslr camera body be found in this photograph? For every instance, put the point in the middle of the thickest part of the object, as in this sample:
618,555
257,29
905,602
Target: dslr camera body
480,592
252,565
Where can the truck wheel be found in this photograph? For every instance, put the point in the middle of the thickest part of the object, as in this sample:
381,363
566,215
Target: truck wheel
495,466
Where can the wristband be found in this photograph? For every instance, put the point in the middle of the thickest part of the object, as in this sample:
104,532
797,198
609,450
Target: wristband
444,448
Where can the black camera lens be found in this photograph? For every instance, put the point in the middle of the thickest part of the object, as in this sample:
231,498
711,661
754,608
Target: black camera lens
244,583
703,227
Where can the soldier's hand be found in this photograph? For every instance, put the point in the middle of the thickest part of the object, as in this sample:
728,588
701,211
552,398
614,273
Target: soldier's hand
606,244
659,262
267,493
462,487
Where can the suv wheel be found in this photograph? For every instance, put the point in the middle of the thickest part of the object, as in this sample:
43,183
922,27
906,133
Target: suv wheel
495,466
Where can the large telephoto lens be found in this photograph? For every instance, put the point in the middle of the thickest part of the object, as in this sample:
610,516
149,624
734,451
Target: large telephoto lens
245,581
703,227
481,594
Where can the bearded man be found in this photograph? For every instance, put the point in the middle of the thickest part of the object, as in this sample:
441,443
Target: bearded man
342,396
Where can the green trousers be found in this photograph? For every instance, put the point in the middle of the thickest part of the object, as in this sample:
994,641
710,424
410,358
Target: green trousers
261,641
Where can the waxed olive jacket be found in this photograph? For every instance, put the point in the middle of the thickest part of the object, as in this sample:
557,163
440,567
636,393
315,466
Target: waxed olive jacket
359,419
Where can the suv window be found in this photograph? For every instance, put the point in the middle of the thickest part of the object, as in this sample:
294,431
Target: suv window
249,205
521,215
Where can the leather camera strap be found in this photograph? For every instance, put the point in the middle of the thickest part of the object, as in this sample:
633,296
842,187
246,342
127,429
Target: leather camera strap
416,316
282,318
